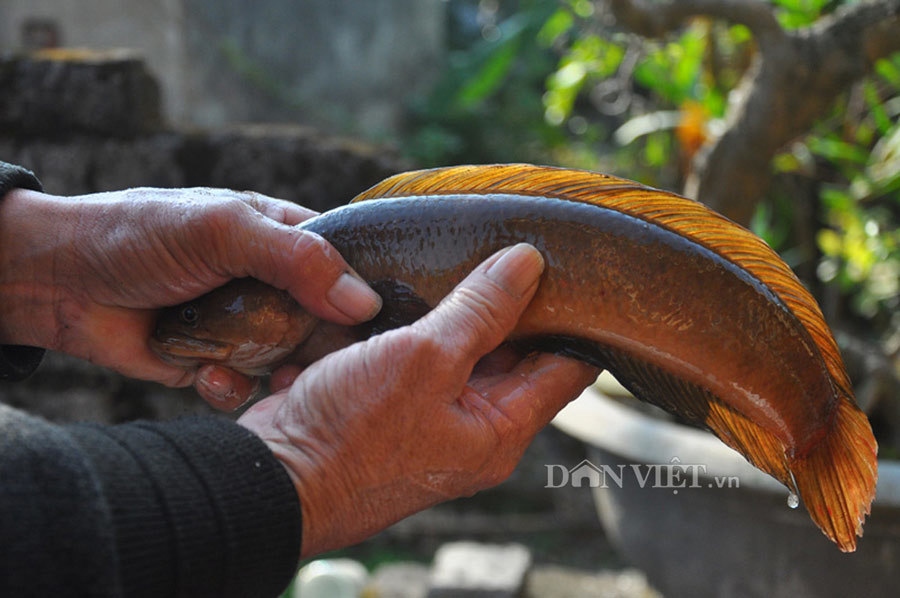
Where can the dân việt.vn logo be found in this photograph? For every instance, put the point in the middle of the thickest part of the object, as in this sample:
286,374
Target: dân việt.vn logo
673,475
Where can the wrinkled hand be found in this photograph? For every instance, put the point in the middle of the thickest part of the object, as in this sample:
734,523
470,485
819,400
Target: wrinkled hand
415,416
85,275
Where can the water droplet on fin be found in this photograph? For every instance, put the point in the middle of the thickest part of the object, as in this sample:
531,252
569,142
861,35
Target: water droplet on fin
793,500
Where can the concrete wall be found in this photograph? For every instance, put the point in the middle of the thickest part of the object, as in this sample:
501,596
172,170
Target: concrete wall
343,65
348,63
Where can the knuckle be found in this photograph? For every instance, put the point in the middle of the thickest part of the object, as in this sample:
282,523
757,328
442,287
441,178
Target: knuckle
308,245
416,349
312,259
230,210
221,222
209,218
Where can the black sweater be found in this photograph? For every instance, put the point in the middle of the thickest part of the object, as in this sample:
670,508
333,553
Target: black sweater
194,507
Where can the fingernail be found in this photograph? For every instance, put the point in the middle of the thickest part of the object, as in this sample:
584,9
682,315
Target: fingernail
354,298
517,269
216,384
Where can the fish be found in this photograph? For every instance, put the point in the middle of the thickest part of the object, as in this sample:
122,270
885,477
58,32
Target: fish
688,310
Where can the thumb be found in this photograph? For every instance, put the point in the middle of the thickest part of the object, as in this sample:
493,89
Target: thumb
483,309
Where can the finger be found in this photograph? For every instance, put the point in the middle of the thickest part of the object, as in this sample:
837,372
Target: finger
535,390
484,308
279,210
308,267
225,389
257,236
284,377
116,338
123,333
499,361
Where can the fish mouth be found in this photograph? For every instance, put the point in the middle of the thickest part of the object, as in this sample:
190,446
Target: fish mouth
189,351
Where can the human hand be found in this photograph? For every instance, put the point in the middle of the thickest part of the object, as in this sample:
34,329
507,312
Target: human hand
417,415
85,275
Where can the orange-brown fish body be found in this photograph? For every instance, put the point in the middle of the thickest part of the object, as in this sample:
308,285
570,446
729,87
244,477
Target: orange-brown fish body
612,281
688,310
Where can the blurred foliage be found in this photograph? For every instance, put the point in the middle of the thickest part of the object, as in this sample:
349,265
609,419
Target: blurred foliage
860,194
487,107
557,81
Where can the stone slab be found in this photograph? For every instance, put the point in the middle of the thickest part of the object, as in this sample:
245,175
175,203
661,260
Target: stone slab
473,570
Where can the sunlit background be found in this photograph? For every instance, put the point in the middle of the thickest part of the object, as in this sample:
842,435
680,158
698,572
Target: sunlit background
559,82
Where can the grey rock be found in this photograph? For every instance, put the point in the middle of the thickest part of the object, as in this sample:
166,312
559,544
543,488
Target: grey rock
295,163
564,582
398,580
62,92
472,570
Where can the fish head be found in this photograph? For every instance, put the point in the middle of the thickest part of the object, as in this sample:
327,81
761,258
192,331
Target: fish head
244,325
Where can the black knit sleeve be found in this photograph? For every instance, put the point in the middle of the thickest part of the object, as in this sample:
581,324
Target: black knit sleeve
16,177
195,507
18,362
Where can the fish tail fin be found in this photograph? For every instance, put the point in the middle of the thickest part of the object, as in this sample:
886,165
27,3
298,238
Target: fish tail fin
836,478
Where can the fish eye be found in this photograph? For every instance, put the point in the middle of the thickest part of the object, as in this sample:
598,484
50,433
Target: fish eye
189,314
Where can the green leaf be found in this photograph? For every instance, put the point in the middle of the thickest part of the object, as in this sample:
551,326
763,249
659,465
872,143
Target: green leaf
829,242
583,8
883,121
799,13
491,74
657,149
889,69
557,25
837,150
